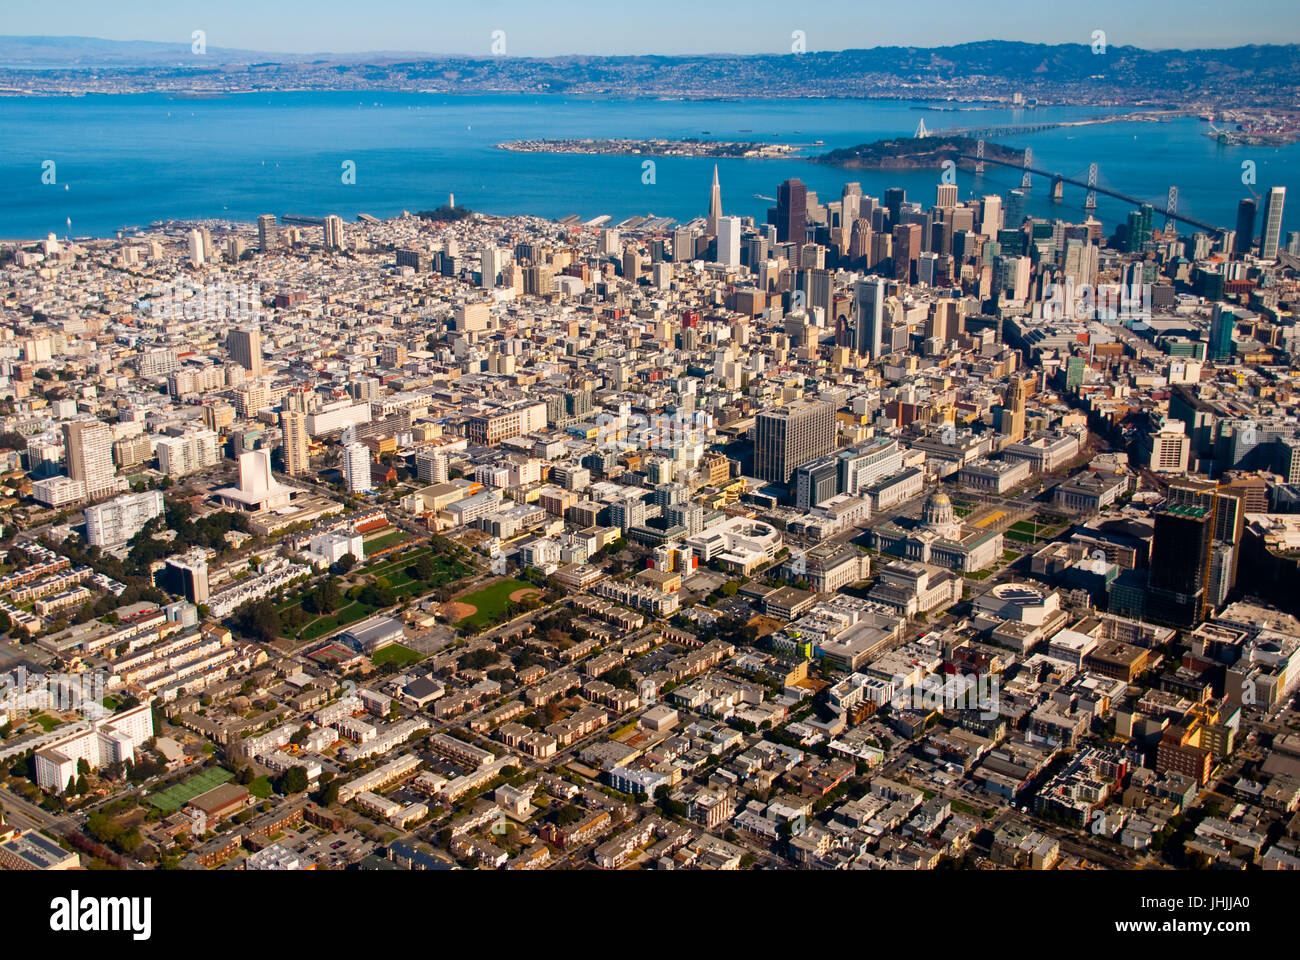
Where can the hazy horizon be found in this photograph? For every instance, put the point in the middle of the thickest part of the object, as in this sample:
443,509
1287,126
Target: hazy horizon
390,52
671,28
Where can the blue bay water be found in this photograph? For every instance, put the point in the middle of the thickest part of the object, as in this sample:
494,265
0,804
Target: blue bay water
129,160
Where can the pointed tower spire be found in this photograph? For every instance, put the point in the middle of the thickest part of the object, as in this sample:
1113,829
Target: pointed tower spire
715,204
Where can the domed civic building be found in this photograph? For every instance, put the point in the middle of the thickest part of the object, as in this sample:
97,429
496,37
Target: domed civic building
939,516
939,537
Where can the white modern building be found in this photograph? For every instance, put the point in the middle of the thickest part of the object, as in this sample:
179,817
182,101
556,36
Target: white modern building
258,489
356,467
738,543
332,545
111,740
89,446
117,521
178,456
57,492
729,241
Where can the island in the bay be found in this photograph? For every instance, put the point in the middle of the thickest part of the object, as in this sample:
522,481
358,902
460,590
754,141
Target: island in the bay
896,153
916,153
690,147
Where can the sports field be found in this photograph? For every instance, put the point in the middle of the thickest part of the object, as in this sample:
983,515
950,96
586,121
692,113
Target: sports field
491,601
176,796
384,541
395,653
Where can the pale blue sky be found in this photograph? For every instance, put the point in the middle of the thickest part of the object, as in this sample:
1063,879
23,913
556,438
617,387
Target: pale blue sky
552,27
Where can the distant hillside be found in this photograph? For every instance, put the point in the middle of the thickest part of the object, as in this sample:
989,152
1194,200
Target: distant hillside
985,70
92,52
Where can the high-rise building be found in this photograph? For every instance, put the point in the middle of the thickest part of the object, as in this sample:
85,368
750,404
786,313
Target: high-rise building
244,345
928,269
89,445
1272,223
1180,565
1194,551
1245,227
1011,276
631,263
1140,228
193,450
112,739
356,467
186,575
812,256
362,388
129,451
715,207
1228,505
895,197
268,235
196,248
627,512
945,195
392,354
815,483
333,232
1081,260
1222,322
850,203
610,242
293,424
789,436
1170,448
860,242
1014,210
907,247
1013,410
790,215
684,244
1011,243
728,232
687,515
472,317
946,320
489,267
431,466
115,522
991,216
860,467
819,289
417,261
869,317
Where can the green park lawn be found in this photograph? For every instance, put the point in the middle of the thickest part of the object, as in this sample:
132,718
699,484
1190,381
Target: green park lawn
396,571
346,615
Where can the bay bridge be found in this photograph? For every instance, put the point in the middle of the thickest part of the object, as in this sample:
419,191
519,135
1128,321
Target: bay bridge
1092,185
